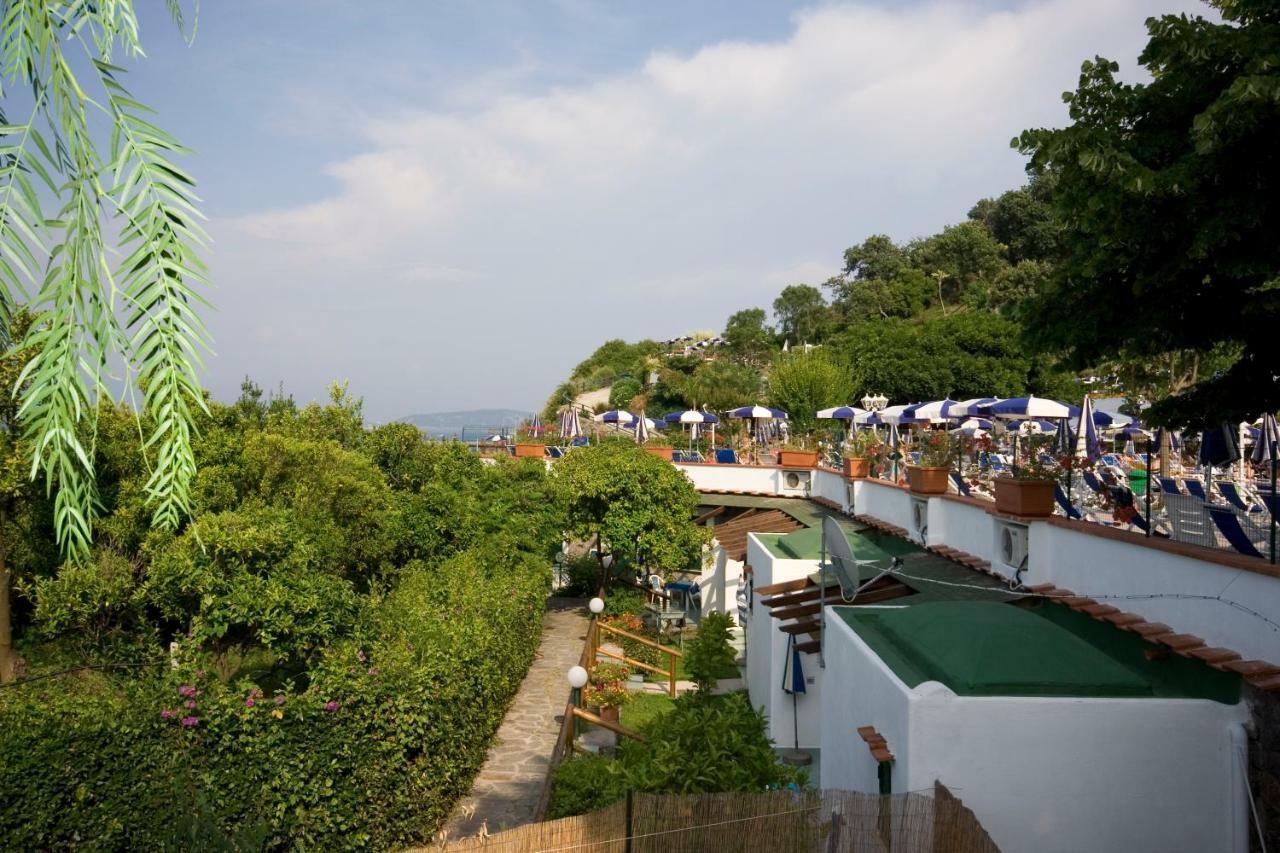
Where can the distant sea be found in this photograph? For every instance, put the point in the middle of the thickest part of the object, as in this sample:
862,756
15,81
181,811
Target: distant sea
452,424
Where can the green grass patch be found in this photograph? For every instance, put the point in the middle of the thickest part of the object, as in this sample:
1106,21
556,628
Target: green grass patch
644,708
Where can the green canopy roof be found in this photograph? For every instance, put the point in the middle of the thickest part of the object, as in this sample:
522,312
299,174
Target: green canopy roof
979,648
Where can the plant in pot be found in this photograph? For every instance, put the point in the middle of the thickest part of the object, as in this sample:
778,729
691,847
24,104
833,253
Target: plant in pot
658,445
530,443
937,455
794,454
607,690
859,451
1029,490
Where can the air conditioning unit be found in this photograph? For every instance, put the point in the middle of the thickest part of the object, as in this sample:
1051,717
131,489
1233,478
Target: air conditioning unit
919,519
1011,548
796,482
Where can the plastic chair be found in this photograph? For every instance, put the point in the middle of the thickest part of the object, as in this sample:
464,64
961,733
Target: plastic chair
1228,524
1189,521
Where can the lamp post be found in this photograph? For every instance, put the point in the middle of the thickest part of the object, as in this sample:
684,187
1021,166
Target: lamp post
577,678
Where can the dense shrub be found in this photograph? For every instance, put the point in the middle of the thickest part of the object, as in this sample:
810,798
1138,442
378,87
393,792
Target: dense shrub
372,753
584,784
709,654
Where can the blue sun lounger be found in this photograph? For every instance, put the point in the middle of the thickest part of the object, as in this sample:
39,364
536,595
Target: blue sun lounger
1169,486
1232,494
1095,485
726,456
961,486
1195,489
1229,525
1061,497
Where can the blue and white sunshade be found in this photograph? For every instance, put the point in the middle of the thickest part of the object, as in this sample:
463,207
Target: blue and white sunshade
614,416
1038,408
691,416
840,413
978,407
763,412
936,411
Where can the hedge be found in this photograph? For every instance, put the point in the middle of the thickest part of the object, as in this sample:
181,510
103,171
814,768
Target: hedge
371,753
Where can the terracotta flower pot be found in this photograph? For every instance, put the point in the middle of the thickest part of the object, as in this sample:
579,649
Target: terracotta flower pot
1032,498
927,481
798,458
660,452
857,466
531,451
610,713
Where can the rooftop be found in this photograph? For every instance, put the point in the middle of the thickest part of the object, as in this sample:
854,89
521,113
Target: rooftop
984,648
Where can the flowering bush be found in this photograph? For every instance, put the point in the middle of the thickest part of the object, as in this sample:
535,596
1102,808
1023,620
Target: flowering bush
608,686
937,450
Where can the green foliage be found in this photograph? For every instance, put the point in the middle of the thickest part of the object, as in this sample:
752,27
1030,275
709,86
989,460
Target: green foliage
802,383
747,338
802,312
612,359
720,386
583,577
1167,196
623,392
706,743
64,255
582,784
640,506
709,653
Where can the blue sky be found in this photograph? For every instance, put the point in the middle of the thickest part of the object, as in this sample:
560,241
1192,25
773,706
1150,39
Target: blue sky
448,204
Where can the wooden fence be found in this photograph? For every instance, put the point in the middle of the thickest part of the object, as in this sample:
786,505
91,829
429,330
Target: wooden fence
774,822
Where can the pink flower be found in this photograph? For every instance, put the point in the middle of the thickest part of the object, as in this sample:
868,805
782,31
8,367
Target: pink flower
256,693
191,704
248,703
360,656
189,722
331,706
279,698
166,714
187,690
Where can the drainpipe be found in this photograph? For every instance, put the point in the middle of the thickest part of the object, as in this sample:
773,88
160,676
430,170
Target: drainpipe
1242,814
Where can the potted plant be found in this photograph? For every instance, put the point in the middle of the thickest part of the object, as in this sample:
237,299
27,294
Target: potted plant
794,454
529,443
658,445
1028,491
607,690
937,454
858,453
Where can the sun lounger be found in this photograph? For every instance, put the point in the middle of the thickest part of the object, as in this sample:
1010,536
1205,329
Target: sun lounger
914,456
1189,520
1061,497
1169,486
1196,489
726,456
1095,485
1111,461
580,441
556,452
1231,492
961,486
1231,528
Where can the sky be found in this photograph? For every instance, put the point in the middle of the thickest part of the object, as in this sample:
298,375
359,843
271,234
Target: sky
449,204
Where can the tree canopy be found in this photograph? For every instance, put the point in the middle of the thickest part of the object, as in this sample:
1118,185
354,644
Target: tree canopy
1168,193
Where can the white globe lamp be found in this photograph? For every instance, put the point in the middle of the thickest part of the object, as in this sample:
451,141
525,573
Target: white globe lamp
577,677
596,605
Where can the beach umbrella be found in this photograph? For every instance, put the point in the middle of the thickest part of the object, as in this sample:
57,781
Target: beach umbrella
1062,439
643,425
840,413
614,416
571,426
976,407
972,428
1086,443
1038,408
635,423
691,416
1218,446
897,416
938,410
762,412
1033,426
1267,449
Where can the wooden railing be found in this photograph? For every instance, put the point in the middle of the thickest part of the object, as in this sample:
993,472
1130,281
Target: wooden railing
672,654
573,711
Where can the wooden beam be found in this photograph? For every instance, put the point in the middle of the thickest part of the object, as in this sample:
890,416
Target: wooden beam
809,647
800,627
605,724
708,515
809,593
783,586
796,612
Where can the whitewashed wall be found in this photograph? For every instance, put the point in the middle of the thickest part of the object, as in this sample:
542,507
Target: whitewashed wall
1044,774
767,656
832,486
733,478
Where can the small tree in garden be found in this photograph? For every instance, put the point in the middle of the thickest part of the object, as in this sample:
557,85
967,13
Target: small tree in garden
632,504
802,383
709,652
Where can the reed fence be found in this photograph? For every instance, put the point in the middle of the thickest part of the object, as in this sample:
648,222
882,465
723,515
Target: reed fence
773,822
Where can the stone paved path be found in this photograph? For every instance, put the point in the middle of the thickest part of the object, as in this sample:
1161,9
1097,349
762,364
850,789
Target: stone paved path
506,792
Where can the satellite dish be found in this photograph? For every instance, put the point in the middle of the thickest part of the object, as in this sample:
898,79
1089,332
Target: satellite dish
840,556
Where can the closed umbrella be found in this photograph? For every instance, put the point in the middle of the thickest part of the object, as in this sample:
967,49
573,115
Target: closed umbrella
1086,443
642,428
572,426
1267,449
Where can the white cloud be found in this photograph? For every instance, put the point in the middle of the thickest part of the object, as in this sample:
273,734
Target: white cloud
693,185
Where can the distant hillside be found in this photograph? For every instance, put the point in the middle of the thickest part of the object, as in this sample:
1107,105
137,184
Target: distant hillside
452,423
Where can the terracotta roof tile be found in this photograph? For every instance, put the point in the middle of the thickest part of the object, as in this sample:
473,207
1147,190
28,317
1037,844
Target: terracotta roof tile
1252,668
1178,642
1213,655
